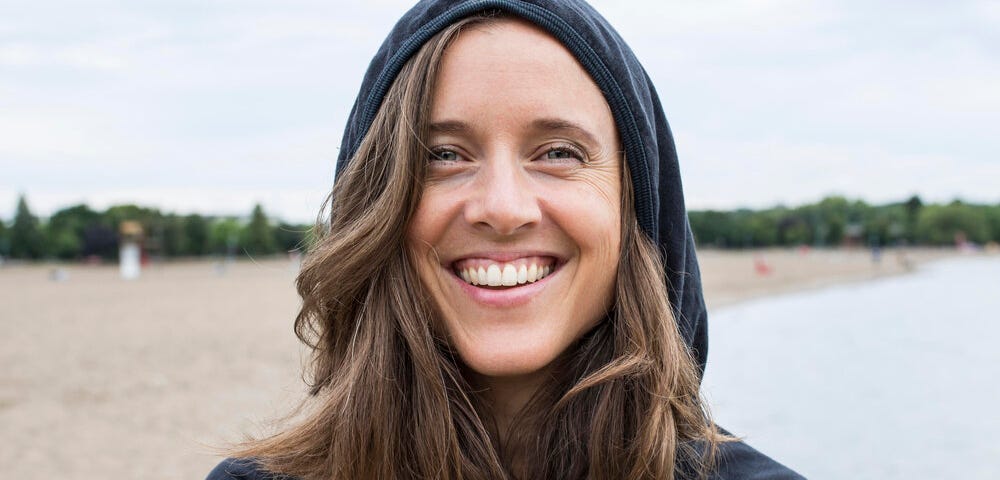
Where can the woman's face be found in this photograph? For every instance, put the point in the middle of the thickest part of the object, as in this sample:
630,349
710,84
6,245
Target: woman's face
517,234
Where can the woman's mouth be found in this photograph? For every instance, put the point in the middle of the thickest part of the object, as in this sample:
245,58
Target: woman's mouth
491,274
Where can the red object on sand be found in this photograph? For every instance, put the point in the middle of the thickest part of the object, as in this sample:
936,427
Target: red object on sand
761,267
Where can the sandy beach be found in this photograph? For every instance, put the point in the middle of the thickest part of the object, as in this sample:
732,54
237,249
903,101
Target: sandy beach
731,276
105,378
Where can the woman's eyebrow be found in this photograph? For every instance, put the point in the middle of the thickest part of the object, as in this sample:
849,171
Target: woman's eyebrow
449,126
538,125
565,126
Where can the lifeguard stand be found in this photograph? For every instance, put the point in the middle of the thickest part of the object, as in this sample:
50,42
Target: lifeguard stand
130,252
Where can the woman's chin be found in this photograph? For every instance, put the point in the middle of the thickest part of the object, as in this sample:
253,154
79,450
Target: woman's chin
505,361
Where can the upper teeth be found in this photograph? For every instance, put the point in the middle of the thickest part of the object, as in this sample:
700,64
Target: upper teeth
505,274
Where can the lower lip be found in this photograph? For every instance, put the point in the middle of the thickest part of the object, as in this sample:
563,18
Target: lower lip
506,298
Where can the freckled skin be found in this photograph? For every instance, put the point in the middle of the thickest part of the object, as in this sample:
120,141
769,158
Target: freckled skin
497,186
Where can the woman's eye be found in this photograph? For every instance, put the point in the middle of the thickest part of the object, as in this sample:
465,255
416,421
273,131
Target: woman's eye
444,155
563,153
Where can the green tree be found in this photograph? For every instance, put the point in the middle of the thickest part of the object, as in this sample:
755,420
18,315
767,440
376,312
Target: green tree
62,243
832,214
149,218
175,241
876,226
291,237
913,207
939,224
764,227
66,230
224,236
759,228
992,214
258,237
197,232
792,227
794,231
26,240
4,239
712,227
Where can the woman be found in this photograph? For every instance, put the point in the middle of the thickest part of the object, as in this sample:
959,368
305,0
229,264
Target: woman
508,287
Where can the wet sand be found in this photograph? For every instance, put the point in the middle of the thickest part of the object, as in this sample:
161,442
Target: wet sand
104,378
731,276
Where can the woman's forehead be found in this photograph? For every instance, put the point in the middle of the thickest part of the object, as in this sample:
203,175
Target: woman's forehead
512,70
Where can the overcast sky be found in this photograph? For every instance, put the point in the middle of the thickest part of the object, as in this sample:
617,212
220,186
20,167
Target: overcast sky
209,106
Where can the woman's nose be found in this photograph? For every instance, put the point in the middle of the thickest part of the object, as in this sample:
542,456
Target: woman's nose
504,202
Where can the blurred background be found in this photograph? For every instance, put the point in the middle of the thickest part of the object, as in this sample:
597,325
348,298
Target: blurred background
162,163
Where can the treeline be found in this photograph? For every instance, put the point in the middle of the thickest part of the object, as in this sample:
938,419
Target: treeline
837,221
78,232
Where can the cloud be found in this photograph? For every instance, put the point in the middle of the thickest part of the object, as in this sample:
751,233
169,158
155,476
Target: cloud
767,172
86,57
44,131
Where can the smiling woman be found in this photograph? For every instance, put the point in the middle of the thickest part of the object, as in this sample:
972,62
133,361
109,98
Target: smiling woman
514,189
508,287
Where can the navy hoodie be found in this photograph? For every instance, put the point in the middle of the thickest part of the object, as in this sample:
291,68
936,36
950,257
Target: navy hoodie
645,137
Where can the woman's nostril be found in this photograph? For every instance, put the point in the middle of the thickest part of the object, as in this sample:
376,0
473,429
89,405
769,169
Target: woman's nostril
505,216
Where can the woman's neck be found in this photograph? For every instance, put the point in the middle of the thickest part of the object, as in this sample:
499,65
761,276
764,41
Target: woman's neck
507,397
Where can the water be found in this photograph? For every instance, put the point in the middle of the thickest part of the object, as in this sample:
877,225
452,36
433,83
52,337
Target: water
895,378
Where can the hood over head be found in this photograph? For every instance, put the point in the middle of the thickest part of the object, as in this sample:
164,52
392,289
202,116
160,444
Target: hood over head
642,126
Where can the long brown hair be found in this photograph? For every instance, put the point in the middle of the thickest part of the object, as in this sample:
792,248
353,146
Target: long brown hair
388,398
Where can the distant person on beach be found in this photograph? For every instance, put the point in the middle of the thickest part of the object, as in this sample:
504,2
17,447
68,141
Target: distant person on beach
507,287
